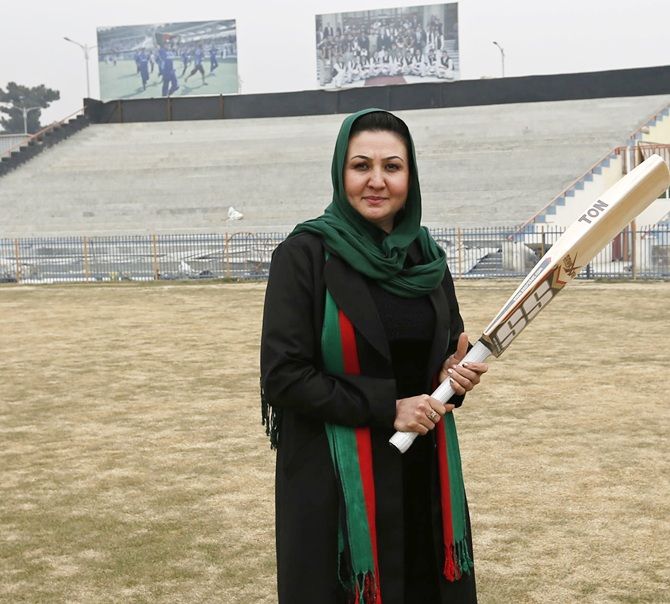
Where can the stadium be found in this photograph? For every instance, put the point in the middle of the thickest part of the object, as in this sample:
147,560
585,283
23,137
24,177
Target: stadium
135,245
158,178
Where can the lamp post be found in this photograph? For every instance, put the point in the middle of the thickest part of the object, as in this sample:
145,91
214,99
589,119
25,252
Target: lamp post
26,110
502,56
85,48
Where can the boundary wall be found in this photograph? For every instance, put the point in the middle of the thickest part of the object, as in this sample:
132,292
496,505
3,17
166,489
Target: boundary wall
463,93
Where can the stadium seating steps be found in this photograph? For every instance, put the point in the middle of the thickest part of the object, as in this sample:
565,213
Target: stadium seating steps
493,165
42,141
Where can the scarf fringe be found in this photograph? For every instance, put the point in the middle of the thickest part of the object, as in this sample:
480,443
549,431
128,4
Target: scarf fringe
457,560
360,589
270,418
365,589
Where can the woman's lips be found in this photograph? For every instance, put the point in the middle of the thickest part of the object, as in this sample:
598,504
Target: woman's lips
374,200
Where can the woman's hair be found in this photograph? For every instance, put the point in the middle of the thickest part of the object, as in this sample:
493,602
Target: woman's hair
377,121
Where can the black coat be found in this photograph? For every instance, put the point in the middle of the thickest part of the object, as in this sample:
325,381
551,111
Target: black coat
294,383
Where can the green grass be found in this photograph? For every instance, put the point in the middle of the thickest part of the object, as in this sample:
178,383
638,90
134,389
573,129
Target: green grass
121,81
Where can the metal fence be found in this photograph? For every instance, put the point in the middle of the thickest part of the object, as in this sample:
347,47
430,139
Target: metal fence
471,253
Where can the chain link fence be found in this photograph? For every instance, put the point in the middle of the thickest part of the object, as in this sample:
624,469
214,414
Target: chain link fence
471,253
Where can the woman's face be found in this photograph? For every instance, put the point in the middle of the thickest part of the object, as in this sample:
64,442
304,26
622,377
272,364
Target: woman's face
376,176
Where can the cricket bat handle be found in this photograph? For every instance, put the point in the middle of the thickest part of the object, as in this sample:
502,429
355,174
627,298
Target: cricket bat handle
477,354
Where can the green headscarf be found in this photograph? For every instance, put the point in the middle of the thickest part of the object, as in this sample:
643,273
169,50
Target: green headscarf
364,246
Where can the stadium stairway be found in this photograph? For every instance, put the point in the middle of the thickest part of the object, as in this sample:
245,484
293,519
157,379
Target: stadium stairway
490,265
492,165
567,206
41,141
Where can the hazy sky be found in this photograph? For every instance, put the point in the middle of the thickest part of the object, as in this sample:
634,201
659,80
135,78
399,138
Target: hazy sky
276,39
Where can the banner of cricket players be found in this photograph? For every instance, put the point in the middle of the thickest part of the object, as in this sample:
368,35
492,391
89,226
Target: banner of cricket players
374,47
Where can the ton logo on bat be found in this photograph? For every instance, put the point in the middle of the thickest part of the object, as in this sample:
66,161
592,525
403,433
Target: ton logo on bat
593,211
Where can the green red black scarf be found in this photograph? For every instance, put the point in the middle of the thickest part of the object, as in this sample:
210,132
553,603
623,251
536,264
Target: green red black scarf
351,453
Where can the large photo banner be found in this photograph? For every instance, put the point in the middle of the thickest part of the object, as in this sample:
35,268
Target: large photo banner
167,59
388,46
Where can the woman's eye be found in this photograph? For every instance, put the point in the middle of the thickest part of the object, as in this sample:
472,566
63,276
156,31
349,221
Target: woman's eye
360,166
392,167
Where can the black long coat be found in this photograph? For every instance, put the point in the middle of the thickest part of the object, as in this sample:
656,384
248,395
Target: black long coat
306,397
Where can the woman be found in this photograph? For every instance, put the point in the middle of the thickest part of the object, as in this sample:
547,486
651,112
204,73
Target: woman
360,321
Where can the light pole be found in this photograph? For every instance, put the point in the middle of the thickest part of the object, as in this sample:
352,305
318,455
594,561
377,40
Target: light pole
26,110
85,48
502,56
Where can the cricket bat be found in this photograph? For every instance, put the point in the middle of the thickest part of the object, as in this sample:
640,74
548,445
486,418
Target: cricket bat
589,234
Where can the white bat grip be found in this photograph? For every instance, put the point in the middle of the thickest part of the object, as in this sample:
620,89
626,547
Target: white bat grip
477,354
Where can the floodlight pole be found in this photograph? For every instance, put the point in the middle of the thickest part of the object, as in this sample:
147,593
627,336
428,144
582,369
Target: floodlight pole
502,56
85,48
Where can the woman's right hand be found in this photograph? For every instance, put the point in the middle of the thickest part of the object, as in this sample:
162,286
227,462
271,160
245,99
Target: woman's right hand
419,413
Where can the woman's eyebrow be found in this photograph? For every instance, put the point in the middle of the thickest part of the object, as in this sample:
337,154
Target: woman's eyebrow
385,158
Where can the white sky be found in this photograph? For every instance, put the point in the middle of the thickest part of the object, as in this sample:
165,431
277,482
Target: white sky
276,39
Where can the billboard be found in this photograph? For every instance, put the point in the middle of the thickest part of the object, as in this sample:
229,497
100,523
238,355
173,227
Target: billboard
388,46
167,59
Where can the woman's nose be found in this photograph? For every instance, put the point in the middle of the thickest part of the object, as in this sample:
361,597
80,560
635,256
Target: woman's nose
376,179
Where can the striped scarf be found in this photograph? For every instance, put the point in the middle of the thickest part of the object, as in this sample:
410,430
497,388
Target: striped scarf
351,452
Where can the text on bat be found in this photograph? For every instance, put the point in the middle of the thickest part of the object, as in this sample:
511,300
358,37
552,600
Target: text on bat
503,336
569,266
594,211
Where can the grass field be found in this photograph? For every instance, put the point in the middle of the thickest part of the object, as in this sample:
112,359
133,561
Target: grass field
134,467
121,81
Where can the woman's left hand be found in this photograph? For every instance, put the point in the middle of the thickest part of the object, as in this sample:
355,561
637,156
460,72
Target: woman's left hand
463,377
